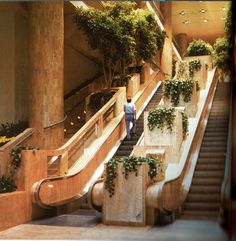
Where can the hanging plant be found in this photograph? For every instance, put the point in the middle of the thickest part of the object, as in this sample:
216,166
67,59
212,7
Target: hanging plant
130,164
4,140
173,89
185,123
174,67
160,117
194,65
7,183
182,70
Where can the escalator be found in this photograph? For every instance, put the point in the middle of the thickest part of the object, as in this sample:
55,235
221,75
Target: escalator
126,146
203,200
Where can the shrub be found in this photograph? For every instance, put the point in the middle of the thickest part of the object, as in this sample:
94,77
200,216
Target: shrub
199,47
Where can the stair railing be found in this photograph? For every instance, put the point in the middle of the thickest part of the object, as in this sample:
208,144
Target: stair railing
225,201
169,194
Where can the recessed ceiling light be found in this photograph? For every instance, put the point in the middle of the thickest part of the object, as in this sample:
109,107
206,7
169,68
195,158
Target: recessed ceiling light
205,20
182,13
202,10
223,8
185,22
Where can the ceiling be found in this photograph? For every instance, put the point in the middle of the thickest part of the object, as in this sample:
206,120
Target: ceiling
209,30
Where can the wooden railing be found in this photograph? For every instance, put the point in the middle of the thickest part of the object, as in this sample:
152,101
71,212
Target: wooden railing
170,193
5,150
50,192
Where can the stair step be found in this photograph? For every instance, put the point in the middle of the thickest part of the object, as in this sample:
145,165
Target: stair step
204,160
204,189
207,181
211,155
196,215
206,148
209,167
202,206
205,197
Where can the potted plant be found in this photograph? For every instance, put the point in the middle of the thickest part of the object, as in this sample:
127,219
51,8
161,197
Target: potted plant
201,49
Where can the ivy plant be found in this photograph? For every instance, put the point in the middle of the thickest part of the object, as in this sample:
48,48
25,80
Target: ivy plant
185,123
7,182
173,89
194,65
130,164
199,47
182,70
161,117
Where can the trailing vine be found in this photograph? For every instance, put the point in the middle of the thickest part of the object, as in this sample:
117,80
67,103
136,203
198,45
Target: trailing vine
194,65
7,183
130,164
173,89
160,117
182,70
184,123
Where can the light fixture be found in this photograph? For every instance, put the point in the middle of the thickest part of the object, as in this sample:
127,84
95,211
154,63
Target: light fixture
65,130
182,13
50,185
84,112
72,123
205,20
202,10
223,8
78,117
185,22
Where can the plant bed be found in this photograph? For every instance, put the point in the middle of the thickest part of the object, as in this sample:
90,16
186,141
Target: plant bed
123,176
10,130
183,93
165,128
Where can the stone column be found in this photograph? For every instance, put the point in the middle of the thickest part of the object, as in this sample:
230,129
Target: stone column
166,57
181,39
46,50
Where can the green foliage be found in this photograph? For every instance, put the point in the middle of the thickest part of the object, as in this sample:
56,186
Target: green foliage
121,80
173,89
174,67
121,33
184,123
229,26
199,47
13,129
160,117
194,65
99,99
130,164
7,183
182,70
221,54
4,140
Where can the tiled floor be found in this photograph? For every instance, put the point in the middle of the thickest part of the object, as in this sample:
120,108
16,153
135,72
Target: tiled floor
89,228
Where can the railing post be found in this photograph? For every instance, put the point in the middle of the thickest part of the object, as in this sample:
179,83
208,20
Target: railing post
100,125
63,168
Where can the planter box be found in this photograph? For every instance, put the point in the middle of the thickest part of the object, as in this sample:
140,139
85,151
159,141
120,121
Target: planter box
123,208
205,59
145,73
133,86
191,107
164,139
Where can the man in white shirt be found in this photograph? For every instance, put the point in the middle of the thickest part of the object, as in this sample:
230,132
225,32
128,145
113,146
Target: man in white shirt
130,116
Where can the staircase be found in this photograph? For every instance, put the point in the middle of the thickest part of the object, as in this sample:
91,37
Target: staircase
203,200
126,146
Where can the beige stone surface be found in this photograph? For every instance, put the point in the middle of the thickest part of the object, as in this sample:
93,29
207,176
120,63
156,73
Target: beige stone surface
127,205
191,107
133,86
165,137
